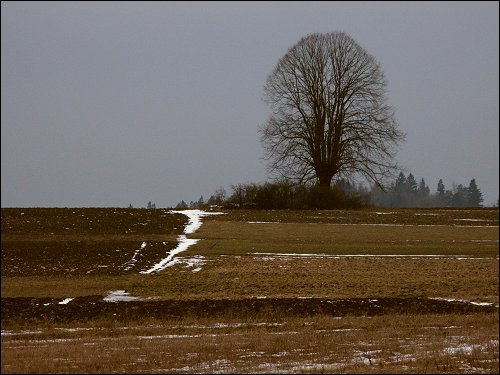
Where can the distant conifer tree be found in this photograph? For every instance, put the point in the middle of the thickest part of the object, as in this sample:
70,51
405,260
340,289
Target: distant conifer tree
423,189
181,205
460,197
412,183
475,195
440,188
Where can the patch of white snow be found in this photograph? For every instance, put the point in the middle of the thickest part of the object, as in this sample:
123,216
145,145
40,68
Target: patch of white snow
132,261
119,296
184,243
263,222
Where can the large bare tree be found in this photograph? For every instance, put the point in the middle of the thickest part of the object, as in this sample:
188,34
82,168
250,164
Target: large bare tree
329,114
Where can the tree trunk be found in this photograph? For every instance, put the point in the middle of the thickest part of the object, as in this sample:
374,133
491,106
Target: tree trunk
325,180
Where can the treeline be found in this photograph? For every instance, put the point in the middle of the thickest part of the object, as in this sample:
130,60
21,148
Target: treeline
281,195
407,192
150,205
404,192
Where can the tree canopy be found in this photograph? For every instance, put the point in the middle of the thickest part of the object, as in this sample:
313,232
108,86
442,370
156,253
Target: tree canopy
329,115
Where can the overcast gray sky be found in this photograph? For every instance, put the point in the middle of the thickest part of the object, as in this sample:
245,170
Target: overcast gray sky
107,104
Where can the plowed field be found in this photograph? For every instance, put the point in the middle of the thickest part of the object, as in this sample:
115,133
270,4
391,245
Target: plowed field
66,266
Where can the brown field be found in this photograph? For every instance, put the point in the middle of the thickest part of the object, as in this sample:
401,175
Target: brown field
361,291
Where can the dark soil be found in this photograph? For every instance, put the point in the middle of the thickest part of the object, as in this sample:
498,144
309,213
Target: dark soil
81,309
82,241
407,216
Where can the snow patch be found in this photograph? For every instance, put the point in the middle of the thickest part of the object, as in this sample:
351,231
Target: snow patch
184,243
132,261
197,261
462,300
22,332
119,296
195,216
263,222
473,220
271,256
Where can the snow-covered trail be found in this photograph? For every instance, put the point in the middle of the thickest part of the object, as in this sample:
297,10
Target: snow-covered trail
184,243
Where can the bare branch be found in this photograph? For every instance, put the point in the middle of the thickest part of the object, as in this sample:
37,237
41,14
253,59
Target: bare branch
329,115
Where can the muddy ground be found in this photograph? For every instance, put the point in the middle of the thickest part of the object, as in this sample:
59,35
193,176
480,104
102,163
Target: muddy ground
87,241
82,309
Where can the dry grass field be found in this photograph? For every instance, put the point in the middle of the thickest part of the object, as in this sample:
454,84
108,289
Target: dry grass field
361,291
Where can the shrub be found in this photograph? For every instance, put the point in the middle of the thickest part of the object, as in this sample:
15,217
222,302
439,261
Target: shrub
283,195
